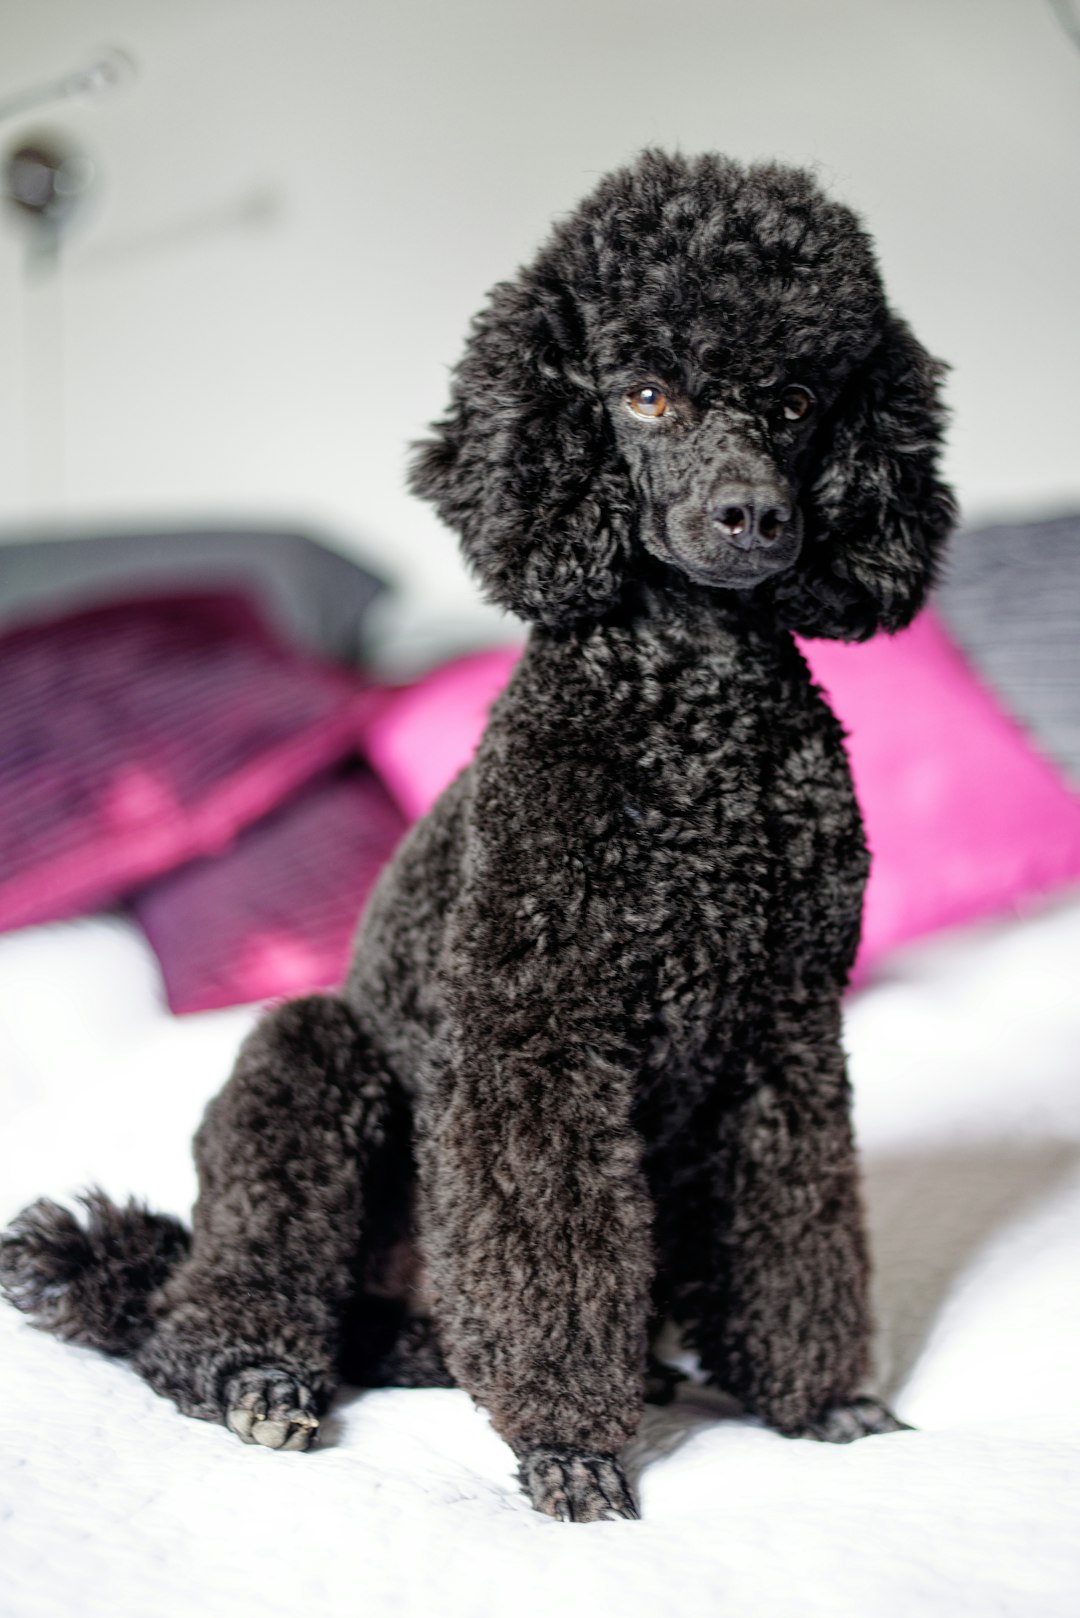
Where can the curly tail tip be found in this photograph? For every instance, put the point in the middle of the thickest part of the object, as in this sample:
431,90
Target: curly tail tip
91,1281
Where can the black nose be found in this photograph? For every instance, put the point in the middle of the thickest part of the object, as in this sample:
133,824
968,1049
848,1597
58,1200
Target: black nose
747,523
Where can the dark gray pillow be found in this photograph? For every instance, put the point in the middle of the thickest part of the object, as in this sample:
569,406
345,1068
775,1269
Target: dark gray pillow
316,596
1011,599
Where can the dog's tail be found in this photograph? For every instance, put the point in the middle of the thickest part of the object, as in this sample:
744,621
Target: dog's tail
90,1282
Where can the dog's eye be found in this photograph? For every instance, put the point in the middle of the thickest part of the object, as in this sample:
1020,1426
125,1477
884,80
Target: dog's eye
647,401
796,403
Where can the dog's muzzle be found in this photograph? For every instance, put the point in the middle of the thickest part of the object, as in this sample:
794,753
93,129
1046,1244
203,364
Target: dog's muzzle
742,535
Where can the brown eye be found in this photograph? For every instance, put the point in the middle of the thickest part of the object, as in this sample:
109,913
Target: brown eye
647,401
796,403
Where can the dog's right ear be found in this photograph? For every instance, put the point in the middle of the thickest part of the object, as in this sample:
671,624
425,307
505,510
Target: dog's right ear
524,466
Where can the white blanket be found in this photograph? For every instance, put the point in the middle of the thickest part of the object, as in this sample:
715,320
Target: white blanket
965,1064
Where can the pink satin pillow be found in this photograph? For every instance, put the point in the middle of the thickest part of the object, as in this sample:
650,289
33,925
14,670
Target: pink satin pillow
964,818
419,736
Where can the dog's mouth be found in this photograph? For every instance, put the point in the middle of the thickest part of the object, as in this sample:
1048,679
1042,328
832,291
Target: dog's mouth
743,577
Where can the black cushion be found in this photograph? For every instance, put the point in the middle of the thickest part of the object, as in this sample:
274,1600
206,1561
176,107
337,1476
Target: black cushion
316,596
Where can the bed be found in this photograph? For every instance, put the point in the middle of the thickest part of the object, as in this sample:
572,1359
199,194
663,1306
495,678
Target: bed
965,1059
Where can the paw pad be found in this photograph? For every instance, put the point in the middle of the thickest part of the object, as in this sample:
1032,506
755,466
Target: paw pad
862,1418
572,1487
270,1407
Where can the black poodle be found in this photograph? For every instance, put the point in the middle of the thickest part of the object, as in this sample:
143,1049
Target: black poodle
586,1073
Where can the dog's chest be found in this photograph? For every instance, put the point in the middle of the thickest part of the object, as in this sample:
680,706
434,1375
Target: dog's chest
731,855
658,847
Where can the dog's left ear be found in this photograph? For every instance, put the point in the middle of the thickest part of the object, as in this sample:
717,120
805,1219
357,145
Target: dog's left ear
876,513
524,466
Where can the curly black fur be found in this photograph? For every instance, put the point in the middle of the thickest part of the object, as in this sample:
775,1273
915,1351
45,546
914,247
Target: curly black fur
586,1071
90,1282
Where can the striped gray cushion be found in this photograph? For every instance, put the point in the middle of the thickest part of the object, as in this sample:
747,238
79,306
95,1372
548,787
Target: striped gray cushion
1012,600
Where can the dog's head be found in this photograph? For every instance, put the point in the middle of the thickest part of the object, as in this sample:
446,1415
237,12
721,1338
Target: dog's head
700,368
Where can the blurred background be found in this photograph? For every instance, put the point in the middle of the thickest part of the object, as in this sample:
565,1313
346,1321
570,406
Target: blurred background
240,245
289,213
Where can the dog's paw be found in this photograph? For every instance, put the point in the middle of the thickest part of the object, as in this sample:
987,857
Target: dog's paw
572,1487
861,1418
270,1407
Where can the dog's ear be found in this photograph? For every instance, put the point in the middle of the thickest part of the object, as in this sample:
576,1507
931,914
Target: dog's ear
524,466
876,513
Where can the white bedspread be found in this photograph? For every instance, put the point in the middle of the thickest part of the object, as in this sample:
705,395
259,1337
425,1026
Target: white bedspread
966,1071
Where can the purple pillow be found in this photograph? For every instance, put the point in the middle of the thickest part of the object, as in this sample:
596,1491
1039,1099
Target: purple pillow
136,736
276,914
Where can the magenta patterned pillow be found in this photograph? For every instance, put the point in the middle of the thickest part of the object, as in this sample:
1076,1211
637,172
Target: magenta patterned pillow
276,914
137,736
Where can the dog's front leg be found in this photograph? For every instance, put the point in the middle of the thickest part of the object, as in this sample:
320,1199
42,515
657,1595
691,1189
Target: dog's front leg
537,1226
783,1320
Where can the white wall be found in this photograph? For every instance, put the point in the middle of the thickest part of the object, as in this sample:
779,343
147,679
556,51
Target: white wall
395,159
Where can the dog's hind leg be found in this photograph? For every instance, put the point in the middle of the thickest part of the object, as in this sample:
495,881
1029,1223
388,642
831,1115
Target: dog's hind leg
247,1330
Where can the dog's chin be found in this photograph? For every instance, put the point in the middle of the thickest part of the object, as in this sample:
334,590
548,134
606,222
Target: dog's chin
733,572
